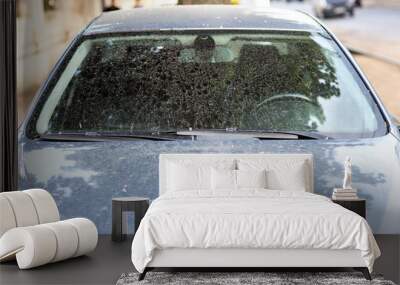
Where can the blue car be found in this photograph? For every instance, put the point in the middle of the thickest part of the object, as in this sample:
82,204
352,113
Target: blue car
207,79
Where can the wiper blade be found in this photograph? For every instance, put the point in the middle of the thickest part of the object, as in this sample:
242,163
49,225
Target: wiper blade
259,134
100,136
236,134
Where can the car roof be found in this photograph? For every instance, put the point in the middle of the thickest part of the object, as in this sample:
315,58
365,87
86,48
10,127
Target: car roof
201,17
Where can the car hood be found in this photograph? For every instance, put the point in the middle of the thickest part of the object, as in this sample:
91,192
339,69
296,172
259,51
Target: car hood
84,176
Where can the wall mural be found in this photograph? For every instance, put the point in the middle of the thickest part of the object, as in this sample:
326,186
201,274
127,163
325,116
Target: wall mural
157,85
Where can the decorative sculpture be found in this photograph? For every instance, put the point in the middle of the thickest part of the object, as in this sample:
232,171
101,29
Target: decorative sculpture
347,174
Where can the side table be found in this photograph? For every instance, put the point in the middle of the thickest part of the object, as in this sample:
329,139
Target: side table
357,206
138,205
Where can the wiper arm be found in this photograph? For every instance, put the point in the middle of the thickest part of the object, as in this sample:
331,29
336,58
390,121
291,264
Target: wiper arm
297,134
99,136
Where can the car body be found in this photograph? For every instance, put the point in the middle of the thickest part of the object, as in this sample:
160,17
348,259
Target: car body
135,84
327,8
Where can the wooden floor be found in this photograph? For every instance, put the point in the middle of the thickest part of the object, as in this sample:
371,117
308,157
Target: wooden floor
110,260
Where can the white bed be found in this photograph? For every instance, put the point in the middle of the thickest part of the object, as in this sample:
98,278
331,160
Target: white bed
202,220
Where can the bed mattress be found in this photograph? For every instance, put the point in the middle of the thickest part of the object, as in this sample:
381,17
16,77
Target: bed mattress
250,219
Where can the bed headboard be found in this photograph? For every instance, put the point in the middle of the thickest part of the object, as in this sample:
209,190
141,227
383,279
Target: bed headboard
215,158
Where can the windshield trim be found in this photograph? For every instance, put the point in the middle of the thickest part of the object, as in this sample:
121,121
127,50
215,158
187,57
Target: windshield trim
29,124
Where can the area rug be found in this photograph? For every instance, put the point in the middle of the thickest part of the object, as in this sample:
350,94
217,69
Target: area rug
244,278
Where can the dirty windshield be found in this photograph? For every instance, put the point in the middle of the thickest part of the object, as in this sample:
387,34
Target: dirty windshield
193,81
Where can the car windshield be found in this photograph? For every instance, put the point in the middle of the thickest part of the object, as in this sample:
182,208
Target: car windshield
259,81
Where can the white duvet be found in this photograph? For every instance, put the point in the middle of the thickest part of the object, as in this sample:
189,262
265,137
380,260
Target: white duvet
250,219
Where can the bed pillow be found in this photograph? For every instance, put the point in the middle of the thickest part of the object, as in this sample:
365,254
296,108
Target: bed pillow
183,177
292,179
281,174
227,179
223,179
251,179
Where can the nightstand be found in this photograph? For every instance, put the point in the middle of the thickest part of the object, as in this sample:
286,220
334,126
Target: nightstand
358,206
138,205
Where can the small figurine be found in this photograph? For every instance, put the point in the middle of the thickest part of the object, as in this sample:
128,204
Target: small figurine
347,174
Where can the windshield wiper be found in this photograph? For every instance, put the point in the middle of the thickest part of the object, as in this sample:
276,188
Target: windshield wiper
101,136
180,134
259,134
300,135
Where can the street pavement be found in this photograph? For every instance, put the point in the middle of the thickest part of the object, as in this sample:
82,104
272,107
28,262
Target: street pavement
374,30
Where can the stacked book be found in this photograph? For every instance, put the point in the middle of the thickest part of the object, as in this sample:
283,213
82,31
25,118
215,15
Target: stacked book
344,194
